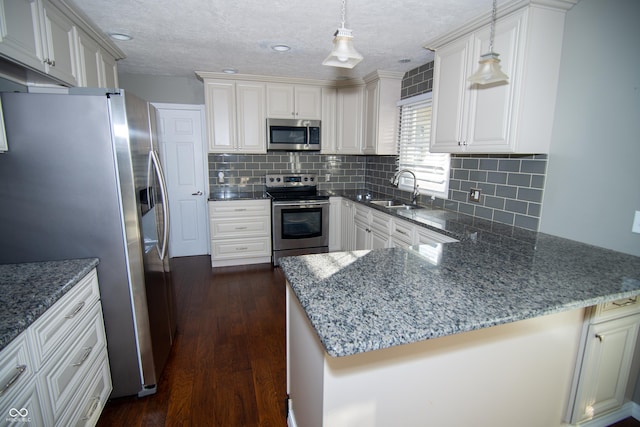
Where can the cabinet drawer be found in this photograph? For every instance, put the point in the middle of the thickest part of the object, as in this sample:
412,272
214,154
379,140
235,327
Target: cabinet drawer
23,407
402,231
63,374
241,248
617,308
222,228
54,326
16,371
240,208
87,405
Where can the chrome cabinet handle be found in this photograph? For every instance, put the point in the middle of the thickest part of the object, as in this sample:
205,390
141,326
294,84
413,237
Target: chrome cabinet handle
13,379
240,209
94,405
627,302
600,337
241,228
199,193
242,248
75,311
87,352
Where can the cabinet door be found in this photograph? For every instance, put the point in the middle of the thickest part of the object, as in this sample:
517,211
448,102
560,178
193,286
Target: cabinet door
362,236
109,70
335,224
491,107
251,119
280,101
220,103
347,225
308,102
61,46
328,124
90,61
21,32
371,102
450,73
605,368
349,120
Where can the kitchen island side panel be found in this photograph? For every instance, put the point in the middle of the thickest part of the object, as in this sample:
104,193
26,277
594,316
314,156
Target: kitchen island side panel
513,374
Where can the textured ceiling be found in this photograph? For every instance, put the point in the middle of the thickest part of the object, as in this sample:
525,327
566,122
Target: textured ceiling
176,38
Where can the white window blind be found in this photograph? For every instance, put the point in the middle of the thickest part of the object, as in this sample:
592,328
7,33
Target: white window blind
414,130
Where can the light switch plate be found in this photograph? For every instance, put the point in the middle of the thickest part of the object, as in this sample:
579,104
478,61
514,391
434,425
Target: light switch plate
636,223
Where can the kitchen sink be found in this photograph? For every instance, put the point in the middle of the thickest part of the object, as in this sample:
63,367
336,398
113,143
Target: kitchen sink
394,204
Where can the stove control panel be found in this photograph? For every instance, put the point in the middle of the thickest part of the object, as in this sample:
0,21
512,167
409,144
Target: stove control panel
292,180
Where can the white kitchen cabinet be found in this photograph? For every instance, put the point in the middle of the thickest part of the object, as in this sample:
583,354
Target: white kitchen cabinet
61,352
349,106
381,94
236,119
61,44
328,124
21,32
347,225
240,232
335,223
372,228
97,67
604,364
512,117
294,101
49,40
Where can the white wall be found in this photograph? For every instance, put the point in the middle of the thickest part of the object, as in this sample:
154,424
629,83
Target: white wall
166,89
593,174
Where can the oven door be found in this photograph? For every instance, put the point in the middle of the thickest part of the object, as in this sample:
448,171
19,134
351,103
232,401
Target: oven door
300,224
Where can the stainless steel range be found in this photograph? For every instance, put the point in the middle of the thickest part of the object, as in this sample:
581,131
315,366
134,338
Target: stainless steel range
300,216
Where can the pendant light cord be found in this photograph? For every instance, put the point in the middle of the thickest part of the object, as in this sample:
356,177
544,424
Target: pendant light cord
493,24
343,11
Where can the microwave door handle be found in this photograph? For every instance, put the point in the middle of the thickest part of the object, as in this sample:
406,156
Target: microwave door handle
308,136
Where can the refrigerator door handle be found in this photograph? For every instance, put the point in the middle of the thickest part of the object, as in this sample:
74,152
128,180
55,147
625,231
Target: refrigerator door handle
154,163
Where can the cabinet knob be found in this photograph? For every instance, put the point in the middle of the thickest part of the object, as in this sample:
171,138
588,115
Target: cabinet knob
600,337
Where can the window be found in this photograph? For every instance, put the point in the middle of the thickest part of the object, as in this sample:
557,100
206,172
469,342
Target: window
431,169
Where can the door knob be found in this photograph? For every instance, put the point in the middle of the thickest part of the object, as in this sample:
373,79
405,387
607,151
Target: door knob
199,193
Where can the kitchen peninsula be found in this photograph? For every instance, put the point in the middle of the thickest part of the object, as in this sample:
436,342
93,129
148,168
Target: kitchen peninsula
486,333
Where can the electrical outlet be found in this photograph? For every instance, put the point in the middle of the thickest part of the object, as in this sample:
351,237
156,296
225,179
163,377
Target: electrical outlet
636,223
474,195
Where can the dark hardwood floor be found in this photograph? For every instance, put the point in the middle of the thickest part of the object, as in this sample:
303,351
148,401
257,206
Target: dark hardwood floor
627,422
227,366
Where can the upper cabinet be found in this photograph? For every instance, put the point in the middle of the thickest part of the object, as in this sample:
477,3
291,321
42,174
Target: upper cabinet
349,120
381,95
236,119
512,117
50,38
294,102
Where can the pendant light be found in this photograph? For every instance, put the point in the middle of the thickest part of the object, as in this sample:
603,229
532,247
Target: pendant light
489,70
343,54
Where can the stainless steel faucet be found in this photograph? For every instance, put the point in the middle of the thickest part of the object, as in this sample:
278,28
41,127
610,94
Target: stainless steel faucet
395,180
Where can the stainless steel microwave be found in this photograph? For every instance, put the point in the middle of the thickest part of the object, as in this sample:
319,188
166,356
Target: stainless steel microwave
293,135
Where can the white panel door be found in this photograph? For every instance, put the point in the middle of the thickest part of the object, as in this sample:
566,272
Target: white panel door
182,140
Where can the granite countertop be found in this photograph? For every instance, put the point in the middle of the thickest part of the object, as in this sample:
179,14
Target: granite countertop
27,290
237,195
367,300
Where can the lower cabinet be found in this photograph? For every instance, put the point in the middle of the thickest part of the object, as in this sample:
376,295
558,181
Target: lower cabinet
374,229
57,371
240,232
347,240
604,363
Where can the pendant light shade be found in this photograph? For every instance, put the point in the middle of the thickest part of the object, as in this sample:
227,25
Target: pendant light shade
343,53
489,70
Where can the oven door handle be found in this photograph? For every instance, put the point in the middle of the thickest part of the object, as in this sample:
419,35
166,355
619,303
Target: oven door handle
302,203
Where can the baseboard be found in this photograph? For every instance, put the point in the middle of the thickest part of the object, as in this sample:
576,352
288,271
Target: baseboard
629,409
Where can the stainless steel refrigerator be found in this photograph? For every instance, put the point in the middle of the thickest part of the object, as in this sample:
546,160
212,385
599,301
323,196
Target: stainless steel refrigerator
82,178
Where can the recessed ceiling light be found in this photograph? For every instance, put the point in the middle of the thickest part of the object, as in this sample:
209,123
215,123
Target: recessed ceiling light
120,36
229,70
281,47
